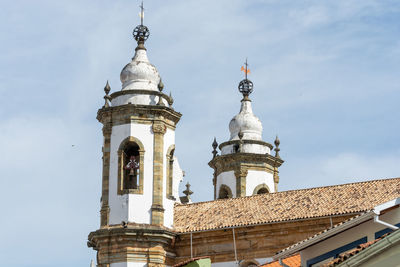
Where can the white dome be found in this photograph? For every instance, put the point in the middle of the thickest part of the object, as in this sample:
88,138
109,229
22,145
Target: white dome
247,123
140,74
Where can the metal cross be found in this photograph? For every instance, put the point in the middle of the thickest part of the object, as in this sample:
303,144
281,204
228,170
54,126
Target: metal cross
245,69
141,13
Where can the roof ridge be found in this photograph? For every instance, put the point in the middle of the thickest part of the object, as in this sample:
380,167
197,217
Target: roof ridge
281,192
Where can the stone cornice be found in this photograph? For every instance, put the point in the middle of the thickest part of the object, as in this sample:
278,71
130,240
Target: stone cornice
140,92
137,232
245,141
251,159
141,113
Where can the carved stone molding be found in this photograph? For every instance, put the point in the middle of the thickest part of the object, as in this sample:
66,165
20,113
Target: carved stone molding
133,243
145,114
159,128
241,174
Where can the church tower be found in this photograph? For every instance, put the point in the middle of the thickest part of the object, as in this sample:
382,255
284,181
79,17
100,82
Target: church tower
141,175
245,166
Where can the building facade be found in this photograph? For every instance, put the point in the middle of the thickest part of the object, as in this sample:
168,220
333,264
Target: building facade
144,223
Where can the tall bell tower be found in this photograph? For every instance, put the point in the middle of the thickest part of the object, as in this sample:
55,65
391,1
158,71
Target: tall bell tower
245,166
141,175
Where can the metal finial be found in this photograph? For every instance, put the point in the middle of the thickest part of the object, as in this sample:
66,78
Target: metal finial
277,149
188,192
215,145
245,86
141,32
245,69
107,98
141,13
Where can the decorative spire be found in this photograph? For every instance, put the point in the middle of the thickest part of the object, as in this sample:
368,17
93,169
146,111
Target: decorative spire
141,32
107,98
215,145
240,135
277,149
171,99
160,88
188,192
245,86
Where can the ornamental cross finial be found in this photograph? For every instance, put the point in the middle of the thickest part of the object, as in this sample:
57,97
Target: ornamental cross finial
245,86
141,13
245,69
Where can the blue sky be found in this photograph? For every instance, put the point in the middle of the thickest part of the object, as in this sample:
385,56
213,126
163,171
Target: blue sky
326,77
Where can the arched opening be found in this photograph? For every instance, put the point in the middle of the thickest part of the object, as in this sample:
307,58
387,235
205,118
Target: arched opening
130,166
224,192
131,162
261,189
170,171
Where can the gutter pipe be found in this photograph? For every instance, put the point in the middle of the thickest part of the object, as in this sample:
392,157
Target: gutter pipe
391,226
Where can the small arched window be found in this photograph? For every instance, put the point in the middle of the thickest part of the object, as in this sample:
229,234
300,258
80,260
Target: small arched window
224,192
261,189
131,159
130,167
170,171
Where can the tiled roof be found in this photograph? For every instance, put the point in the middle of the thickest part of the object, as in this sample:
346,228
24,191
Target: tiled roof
346,255
292,261
285,206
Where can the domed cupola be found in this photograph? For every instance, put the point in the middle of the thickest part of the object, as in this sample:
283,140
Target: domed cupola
245,166
246,123
140,74
141,82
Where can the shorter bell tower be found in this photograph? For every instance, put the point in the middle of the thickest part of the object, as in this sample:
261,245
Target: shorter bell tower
245,166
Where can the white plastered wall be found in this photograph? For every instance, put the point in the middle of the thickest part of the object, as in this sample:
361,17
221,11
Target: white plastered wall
255,178
368,229
137,99
247,148
131,207
229,179
169,140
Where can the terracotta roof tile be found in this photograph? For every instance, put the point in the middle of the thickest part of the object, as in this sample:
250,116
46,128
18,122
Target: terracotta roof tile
345,255
285,206
292,261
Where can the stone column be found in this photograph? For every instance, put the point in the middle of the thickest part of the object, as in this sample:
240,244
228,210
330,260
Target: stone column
276,178
241,182
157,210
105,208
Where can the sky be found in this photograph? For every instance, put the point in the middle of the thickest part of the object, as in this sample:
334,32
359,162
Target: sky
326,81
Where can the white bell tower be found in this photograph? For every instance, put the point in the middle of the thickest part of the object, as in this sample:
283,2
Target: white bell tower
141,175
245,166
